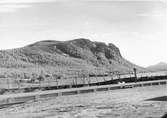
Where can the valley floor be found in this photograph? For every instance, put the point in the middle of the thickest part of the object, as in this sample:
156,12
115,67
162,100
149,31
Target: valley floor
142,102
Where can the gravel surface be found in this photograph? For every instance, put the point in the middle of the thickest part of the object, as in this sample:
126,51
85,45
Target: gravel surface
142,102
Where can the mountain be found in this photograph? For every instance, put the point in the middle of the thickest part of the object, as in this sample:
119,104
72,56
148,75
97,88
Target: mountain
67,58
162,66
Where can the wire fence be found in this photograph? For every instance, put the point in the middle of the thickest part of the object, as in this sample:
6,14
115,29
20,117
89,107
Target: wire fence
10,83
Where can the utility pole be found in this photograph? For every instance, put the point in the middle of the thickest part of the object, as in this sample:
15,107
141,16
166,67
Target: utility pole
135,74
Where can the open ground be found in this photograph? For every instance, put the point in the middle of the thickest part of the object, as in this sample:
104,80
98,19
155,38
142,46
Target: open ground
142,102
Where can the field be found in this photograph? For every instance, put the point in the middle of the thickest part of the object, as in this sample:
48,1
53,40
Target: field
142,102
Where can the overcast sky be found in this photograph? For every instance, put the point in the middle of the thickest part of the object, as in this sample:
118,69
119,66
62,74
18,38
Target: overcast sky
138,28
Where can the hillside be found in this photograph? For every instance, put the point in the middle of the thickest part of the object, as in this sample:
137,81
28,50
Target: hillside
162,66
65,58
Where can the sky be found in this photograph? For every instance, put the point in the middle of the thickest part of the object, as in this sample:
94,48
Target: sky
137,27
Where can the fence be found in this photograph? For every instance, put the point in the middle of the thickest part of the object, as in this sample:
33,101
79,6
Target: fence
9,83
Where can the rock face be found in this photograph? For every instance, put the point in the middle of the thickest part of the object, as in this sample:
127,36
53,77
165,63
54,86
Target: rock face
69,56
